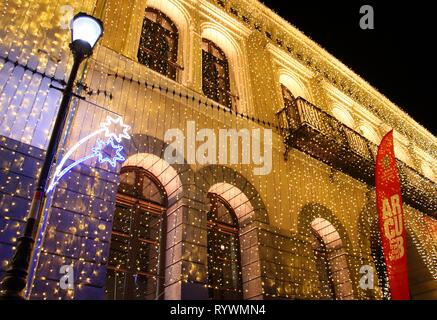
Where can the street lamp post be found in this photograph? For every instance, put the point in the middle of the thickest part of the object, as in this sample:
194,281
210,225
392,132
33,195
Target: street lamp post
86,31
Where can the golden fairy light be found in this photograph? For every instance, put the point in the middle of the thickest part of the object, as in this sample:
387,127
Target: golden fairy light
220,63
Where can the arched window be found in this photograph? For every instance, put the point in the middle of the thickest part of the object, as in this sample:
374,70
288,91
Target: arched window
135,265
427,170
290,117
402,153
224,271
158,48
288,96
215,74
342,115
370,232
370,133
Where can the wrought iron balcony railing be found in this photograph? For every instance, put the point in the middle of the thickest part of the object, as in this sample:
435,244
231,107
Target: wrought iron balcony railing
315,132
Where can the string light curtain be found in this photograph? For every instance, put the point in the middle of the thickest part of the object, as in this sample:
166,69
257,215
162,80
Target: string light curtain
145,77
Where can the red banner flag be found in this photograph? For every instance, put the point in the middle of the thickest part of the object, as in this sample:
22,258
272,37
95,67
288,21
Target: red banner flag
391,219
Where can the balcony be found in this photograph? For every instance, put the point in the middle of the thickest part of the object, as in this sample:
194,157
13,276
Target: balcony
313,131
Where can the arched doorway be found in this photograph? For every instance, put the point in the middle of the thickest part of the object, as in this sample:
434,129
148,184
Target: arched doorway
327,287
371,250
135,265
248,207
422,283
331,261
224,265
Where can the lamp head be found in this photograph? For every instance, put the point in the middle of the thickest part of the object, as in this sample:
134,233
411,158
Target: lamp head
85,32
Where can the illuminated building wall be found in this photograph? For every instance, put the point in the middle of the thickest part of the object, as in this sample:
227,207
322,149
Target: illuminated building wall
304,230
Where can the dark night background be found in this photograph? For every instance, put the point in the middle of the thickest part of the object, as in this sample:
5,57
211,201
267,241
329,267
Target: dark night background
397,57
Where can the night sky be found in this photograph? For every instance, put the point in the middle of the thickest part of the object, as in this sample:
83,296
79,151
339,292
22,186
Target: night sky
396,57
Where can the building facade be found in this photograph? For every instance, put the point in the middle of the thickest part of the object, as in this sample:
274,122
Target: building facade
151,229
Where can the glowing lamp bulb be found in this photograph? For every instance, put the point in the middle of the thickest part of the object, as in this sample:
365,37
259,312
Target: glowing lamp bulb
86,29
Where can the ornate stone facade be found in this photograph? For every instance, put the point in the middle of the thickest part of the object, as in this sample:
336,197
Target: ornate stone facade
277,214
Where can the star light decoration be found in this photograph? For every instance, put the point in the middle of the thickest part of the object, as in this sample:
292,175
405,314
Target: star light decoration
115,130
111,159
117,126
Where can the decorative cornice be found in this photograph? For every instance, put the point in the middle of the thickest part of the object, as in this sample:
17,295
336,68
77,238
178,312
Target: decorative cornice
283,59
237,28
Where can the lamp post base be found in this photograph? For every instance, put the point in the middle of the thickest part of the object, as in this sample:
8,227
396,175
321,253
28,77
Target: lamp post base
11,296
15,280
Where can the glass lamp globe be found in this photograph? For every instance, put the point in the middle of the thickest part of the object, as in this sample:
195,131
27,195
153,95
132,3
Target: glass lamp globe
85,31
